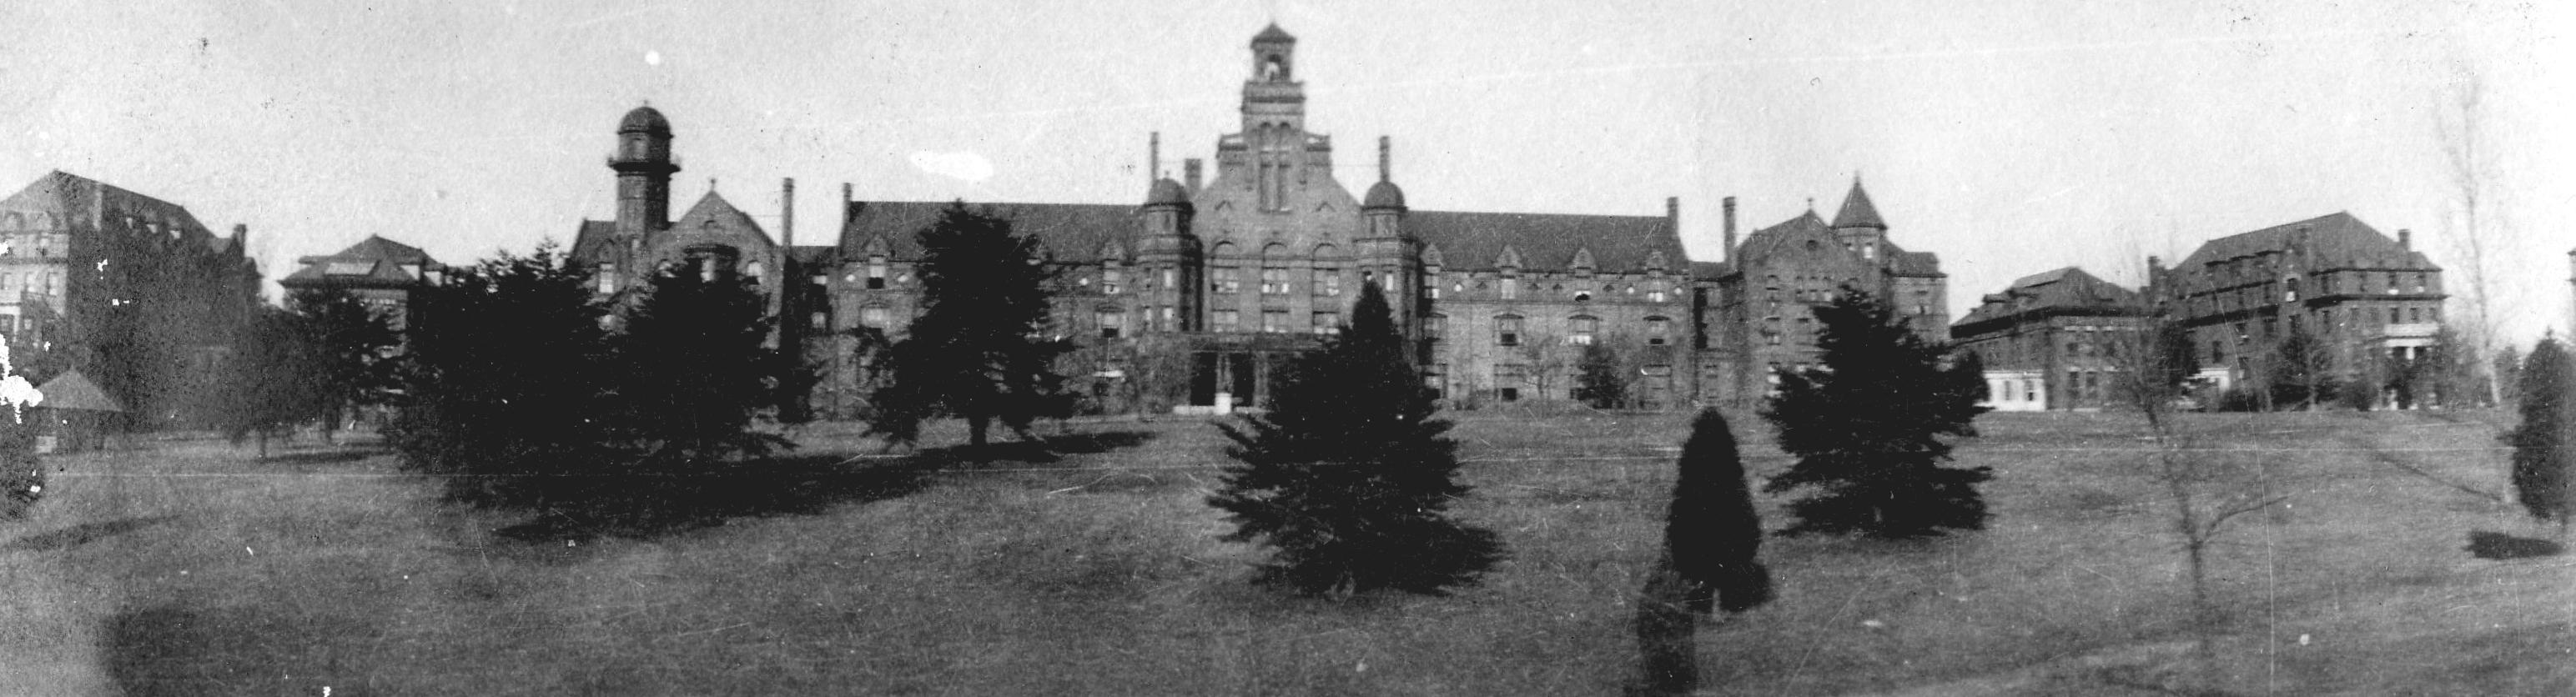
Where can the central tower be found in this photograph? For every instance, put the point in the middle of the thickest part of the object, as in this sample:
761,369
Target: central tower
1274,119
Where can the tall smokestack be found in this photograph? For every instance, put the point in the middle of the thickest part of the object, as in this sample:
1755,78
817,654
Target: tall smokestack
1383,167
1727,208
1153,158
845,203
787,214
1190,168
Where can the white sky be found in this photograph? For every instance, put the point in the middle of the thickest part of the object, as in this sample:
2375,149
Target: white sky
2009,137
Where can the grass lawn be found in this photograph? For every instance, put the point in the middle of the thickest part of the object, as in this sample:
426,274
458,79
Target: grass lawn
184,567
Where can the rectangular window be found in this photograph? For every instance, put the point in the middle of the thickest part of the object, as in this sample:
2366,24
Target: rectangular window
607,278
1225,280
1166,319
1328,322
1274,280
1111,323
1434,327
1435,379
876,273
1507,382
1274,321
1110,279
1226,321
820,322
1583,329
1511,289
1658,331
1507,331
1327,282
874,317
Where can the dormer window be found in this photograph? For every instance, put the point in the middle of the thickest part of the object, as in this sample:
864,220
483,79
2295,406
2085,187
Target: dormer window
876,273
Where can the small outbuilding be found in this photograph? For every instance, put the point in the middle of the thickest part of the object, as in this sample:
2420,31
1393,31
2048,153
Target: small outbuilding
77,412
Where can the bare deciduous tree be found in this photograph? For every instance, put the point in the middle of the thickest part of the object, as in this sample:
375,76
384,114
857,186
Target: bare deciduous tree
2480,236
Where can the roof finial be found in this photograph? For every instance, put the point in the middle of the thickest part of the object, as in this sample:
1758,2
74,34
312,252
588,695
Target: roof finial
1811,204
1382,146
711,185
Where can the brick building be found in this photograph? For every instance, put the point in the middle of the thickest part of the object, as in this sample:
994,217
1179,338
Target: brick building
380,273
2054,340
1760,305
128,289
2370,300
1190,298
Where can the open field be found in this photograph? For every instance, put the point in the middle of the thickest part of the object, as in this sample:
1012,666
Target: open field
183,567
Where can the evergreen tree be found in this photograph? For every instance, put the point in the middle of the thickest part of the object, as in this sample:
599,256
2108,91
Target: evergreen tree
1348,478
694,374
979,349
1598,380
349,341
1712,532
1867,429
2302,370
2540,452
504,379
277,378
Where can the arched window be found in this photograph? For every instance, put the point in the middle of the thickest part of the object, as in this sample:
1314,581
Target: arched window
1113,321
1582,328
1507,330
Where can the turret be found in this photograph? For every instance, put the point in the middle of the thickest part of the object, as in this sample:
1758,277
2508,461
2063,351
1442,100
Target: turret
1857,225
644,167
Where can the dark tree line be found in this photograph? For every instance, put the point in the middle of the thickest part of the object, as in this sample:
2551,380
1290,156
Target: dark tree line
523,390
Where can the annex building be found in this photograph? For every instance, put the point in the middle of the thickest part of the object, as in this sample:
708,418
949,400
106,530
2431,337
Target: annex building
1191,297
2372,302
128,289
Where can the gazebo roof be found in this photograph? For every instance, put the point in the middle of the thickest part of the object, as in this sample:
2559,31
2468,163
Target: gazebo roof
73,391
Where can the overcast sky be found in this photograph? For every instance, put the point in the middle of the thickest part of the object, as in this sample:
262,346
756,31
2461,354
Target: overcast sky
2009,137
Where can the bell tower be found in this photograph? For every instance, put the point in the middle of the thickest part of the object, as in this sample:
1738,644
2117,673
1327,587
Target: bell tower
644,167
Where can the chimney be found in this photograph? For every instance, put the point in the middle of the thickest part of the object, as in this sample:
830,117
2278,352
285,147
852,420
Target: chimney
787,214
1153,157
1728,206
845,202
2406,239
1190,168
1382,166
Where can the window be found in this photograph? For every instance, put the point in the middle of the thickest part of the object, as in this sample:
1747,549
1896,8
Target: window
1111,278
1226,321
1507,382
1274,321
1432,379
1166,319
2392,312
1226,280
1274,280
873,317
1327,282
1328,322
1511,289
607,278
1507,330
1435,327
1112,322
1584,327
876,273
1659,331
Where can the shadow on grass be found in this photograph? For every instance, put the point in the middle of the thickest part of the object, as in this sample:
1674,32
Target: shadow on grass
2496,545
652,506
325,457
176,650
82,534
797,485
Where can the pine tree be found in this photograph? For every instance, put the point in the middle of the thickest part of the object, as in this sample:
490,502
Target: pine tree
1712,533
2540,452
979,349
1598,381
1867,429
694,374
349,340
1347,478
503,382
276,380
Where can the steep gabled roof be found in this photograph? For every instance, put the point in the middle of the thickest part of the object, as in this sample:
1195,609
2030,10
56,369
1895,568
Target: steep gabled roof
1072,232
1619,243
1857,210
590,240
713,212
